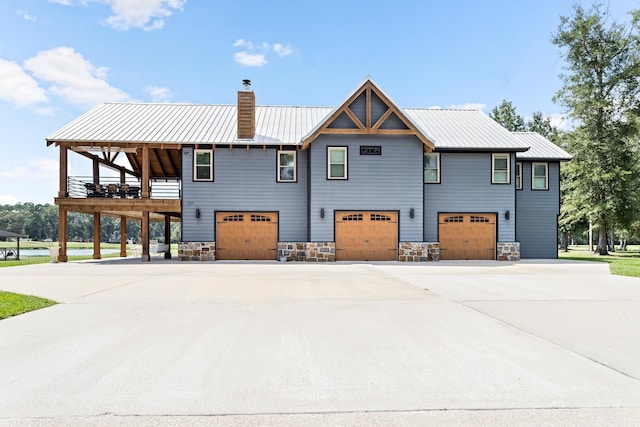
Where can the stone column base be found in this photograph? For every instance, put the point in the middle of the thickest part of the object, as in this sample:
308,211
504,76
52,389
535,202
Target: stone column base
292,251
197,251
508,251
418,251
320,252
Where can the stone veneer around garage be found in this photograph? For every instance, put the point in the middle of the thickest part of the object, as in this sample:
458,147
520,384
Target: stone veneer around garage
320,251
508,251
326,251
292,251
418,251
197,251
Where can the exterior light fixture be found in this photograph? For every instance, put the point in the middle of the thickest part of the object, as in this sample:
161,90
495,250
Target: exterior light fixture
197,213
506,215
321,212
412,213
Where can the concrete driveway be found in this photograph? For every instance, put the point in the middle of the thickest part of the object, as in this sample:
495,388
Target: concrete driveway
448,343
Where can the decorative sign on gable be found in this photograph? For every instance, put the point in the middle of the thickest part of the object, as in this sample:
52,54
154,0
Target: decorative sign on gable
370,150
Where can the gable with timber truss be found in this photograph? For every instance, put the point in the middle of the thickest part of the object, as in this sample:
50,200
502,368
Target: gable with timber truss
368,111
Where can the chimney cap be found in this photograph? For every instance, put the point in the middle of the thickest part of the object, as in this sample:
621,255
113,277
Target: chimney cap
246,83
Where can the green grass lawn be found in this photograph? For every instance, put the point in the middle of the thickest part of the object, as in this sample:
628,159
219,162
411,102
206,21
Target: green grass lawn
13,304
623,263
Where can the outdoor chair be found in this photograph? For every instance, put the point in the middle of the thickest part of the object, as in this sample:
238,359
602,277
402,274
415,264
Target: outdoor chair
112,190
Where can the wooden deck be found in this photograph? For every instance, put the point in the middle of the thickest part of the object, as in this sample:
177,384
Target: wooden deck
118,207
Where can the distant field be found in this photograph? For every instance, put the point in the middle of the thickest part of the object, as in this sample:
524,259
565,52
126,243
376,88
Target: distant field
623,263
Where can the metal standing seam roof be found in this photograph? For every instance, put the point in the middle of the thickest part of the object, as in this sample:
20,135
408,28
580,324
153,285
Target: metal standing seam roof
216,124
464,130
187,124
540,148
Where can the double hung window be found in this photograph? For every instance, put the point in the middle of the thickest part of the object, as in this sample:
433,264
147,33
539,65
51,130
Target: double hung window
539,176
203,165
337,163
500,170
287,166
432,168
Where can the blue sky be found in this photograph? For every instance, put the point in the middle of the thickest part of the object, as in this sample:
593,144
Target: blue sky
59,58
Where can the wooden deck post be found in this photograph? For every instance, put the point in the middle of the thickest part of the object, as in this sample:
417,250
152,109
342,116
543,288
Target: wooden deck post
62,192
123,236
145,173
96,236
62,235
96,171
167,236
144,231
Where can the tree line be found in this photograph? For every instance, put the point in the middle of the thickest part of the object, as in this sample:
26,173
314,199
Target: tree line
40,222
601,96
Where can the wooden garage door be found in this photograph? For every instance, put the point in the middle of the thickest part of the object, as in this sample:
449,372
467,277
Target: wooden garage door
467,236
246,235
366,236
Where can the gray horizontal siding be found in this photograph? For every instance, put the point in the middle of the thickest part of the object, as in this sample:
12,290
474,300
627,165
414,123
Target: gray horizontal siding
245,180
465,186
537,215
391,181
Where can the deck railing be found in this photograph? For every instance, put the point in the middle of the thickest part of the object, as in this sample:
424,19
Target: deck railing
81,187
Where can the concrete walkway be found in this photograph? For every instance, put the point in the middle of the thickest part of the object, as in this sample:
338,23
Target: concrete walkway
449,343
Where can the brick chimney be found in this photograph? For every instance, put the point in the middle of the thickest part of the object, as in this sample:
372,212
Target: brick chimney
246,111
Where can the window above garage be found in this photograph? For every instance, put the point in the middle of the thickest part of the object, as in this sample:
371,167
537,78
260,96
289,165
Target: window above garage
500,170
203,165
432,168
287,166
336,162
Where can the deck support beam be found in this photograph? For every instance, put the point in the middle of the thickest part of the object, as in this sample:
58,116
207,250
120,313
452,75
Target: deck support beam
144,232
96,236
62,235
123,236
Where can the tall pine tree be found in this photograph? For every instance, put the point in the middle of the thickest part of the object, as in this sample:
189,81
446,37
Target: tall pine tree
601,94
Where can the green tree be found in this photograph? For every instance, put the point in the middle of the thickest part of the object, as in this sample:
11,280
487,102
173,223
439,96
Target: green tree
600,92
506,115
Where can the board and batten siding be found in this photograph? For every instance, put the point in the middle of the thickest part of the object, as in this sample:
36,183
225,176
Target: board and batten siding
244,180
465,187
390,181
537,215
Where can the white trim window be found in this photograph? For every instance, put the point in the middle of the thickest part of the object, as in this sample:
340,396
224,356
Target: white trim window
519,176
336,162
432,168
539,176
203,165
287,166
500,168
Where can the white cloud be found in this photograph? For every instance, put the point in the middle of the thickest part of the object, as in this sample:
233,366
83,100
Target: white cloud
242,43
19,88
26,16
250,59
281,50
158,94
255,55
126,14
33,169
559,121
468,106
73,77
